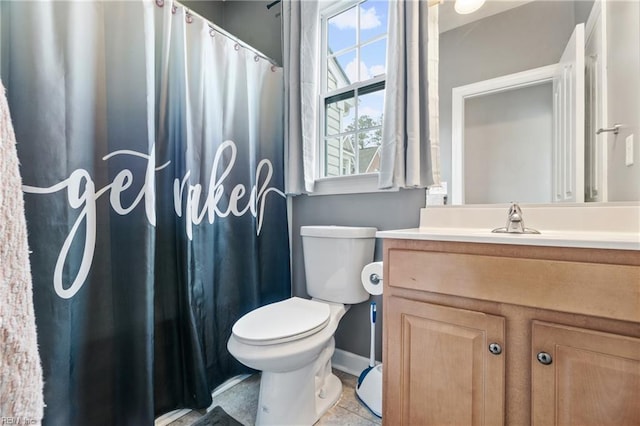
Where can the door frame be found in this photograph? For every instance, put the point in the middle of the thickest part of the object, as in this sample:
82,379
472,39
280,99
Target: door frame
598,21
460,94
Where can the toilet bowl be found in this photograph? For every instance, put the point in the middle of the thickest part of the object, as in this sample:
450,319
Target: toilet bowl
297,384
292,341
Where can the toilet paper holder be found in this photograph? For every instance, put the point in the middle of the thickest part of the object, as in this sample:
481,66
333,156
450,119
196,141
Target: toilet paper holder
372,278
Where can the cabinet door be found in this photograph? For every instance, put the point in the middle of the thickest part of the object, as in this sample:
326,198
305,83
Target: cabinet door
439,369
593,378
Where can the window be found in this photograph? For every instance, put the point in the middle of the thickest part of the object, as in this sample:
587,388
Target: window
354,40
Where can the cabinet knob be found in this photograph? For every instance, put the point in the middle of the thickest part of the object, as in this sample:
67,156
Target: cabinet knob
495,348
544,358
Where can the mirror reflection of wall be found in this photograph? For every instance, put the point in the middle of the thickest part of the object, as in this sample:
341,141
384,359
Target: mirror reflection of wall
623,100
528,35
508,146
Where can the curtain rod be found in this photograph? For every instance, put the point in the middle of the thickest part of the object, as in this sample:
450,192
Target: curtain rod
430,3
225,33
273,3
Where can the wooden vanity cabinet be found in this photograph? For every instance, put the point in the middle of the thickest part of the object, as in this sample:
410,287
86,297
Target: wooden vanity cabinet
441,365
466,323
584,377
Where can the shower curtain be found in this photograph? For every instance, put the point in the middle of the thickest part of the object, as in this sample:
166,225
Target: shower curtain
151,152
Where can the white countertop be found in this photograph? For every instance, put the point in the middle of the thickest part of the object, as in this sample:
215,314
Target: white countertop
586,225
601,240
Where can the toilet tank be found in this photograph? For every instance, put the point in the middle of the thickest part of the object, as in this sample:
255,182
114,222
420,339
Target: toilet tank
333,260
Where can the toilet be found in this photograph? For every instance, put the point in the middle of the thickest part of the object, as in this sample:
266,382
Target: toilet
292,341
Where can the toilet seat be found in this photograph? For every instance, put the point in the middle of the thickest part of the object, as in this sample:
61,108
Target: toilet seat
280,322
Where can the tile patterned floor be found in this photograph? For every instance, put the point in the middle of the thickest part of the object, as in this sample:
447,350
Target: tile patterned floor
241,402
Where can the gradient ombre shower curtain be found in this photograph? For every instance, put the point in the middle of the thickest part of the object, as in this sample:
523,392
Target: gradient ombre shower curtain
151,151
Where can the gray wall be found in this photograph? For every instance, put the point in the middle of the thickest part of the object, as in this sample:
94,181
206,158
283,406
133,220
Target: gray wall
519,39
249,20
212,10
256,25
389,210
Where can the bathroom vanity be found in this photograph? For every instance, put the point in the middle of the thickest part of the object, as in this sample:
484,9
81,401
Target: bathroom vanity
484,329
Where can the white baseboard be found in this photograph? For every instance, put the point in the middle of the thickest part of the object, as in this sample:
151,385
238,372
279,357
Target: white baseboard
171,416
349,362
228,385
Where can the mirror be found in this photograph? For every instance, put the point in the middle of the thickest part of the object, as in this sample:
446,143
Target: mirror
514,125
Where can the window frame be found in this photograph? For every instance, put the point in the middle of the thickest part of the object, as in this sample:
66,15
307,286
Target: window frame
357,182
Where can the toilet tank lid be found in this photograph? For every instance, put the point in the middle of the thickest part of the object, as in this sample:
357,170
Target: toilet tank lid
338,231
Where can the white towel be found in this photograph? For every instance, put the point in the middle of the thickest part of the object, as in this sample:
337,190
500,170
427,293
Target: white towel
21,399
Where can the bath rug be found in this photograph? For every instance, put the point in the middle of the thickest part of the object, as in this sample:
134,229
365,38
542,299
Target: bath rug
217,417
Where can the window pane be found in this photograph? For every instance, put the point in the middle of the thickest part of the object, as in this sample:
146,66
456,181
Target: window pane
370,108
341,70
369,139
348,155
373,19
341,31
368,154
373,58
339,114
340,156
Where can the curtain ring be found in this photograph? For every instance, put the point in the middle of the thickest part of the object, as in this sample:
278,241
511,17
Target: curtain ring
237,46
160,3
212,32
188,17
256,58
174,9
273,68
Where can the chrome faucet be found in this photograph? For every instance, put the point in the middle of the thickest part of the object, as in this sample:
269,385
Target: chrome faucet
515,222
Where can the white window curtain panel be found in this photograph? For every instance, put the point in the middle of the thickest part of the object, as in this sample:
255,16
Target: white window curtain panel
410,150
301,54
